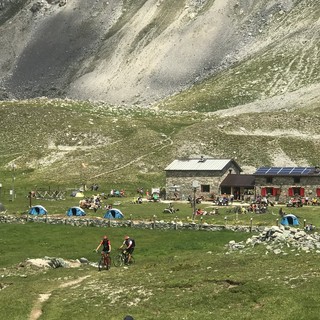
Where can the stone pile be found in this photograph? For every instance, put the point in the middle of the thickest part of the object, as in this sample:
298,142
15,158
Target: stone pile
280,239
54,263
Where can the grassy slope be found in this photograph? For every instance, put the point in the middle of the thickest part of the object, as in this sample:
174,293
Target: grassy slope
132,146
165,283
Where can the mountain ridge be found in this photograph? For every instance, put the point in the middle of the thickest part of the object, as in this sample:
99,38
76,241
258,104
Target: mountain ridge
124,87
153,49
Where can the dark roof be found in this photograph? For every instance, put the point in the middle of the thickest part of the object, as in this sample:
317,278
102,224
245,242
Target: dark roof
287,171
238,180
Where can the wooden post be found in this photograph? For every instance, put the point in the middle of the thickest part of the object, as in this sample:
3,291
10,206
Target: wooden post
154,221
251,224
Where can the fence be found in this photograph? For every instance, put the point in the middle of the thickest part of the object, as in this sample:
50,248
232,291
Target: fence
104,223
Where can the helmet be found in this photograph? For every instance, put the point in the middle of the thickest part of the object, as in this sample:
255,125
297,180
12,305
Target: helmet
126,237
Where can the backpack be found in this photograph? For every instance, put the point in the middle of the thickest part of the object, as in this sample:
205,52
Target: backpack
133,243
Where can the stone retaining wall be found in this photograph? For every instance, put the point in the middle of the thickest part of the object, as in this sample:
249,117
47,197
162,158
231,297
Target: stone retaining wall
104,223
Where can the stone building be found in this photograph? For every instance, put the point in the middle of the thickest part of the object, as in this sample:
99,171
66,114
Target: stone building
198,176
283,183
209,177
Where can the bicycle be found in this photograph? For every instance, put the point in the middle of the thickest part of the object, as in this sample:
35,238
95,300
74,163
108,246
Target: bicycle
104,262
122,259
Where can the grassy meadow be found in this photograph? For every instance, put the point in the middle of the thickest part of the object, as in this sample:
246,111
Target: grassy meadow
177,275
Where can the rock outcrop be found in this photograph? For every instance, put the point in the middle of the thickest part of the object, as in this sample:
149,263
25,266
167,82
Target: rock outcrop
280,240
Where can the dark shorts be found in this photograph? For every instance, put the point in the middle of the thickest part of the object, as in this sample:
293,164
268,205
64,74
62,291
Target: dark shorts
130,250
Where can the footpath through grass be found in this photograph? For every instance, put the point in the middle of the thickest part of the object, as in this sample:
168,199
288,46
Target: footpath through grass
177,275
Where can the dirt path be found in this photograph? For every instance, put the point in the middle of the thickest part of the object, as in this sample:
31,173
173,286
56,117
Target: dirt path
36,311
160,146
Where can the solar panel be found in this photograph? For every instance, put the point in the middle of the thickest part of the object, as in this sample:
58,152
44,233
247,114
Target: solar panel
262,170
307,170
284,170
274,170
297,170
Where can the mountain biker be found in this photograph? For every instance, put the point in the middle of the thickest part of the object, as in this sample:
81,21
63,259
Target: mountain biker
106,244
129,245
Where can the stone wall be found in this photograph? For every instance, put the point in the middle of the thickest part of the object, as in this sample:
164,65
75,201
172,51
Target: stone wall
309,183
184,180
104,223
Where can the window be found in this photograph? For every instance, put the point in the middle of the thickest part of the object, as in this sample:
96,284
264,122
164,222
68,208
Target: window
205,188
296,179
268,179
269,191
295,192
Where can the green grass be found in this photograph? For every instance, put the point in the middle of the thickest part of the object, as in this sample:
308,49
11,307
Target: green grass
132,146
147,211
185,275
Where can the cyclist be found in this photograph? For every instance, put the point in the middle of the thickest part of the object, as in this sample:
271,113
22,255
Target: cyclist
129,245
106,244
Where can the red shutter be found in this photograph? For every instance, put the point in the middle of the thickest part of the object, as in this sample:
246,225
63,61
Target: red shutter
302,192
263,192
275,191
290,192
318,192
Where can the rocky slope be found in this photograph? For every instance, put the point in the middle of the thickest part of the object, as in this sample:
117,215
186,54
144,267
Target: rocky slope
139,52
225,78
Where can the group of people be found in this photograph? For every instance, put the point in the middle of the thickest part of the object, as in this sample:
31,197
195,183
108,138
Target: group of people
128,245
94,203
117,193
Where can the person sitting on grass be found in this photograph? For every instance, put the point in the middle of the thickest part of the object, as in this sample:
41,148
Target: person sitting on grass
201,212
129,245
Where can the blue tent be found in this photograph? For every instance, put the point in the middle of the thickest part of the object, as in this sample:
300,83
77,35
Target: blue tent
75,211
113,214
289,219
37,210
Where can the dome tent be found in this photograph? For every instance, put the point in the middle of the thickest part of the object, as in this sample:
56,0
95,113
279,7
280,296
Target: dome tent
37,210
289,219
113,214
75,211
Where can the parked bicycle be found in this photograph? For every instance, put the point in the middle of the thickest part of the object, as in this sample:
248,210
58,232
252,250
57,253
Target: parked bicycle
122,259
104,262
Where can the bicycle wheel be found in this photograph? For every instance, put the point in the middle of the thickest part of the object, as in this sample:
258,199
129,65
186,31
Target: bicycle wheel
108,262
118,260
100,264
